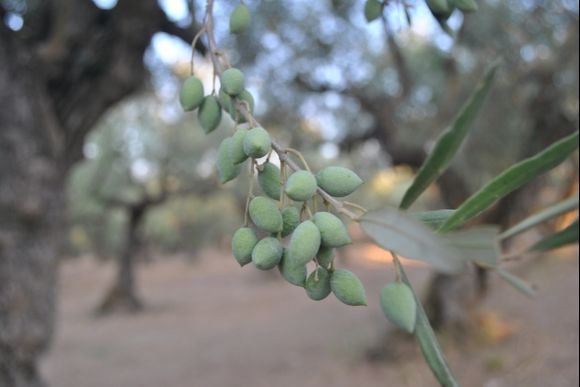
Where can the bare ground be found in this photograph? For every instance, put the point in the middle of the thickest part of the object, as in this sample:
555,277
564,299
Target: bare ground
212,324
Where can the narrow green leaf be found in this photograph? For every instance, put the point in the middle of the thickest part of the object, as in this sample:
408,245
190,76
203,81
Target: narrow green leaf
567,236
450,140
542,216
428,341
516,282
433,219
397,231
510,179
477,244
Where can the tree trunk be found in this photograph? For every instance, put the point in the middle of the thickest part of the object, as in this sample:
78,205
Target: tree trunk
31,208
70,62
123,294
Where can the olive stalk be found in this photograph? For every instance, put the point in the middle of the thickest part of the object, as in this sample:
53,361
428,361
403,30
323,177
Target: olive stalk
241,107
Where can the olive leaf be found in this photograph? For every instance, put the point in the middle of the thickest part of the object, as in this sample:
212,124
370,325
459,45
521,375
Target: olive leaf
516,282
397,231
542,216
433,219
567,236
428,341
511,179
477,244
450,140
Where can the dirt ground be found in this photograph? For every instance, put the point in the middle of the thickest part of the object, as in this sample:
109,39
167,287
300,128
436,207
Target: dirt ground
211,324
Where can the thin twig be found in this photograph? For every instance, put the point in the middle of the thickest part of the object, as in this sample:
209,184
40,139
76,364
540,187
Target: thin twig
300,157
218,69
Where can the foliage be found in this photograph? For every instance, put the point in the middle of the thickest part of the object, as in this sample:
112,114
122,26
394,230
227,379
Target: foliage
392,229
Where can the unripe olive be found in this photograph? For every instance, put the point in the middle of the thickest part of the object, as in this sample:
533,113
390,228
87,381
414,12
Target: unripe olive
325,256
243,243
338,181
466,5
301,185
347,287
248,98
265,214
257,143
237,146
332,230
290,219
233,81
191,94
227,170
239,19
318,284
269,180
373,10
291,271
267,253
226,102
209,114
438,6
399,305
304,243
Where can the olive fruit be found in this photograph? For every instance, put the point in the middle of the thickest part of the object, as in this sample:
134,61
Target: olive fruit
191,94
347,287
243,243
265,214
399,305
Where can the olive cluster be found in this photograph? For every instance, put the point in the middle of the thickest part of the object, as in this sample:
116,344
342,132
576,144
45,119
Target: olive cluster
209,108
284,231
310,237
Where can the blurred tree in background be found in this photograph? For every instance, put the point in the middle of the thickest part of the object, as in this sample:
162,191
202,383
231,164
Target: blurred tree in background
145,183
398,87
323,79
63,63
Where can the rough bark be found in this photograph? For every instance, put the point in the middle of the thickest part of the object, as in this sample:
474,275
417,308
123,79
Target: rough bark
58,75
30,206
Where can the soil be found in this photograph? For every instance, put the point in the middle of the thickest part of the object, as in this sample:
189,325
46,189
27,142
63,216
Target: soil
208,323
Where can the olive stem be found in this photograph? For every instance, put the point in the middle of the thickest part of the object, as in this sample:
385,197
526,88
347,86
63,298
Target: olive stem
338,205
397,266
354,205
250,194
300,156
193,43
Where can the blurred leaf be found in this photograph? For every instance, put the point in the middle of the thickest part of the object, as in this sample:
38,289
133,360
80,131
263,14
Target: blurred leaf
433,219
478,244
511,179
516,282
567,236
450,140
396,231
428,341
542,216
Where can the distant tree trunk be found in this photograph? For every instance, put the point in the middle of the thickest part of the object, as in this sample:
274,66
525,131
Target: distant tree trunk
123,294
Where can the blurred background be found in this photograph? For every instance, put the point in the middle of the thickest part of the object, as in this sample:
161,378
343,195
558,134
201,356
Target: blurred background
149,293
